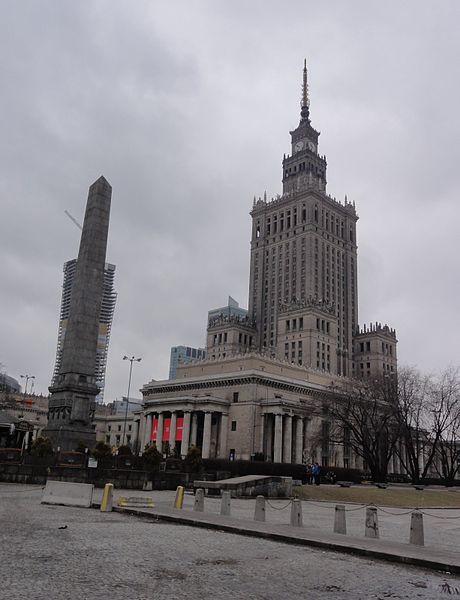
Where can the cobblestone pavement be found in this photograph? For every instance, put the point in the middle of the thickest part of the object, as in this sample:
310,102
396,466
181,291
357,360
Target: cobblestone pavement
53,552
442,526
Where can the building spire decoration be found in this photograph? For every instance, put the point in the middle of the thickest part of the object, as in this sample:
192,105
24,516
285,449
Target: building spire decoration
305,101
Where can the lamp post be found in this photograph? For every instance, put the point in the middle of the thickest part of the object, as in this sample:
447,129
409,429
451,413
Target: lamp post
27,377
131,360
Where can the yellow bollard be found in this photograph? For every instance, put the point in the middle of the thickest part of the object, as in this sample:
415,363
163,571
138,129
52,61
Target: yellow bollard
107,498
178,502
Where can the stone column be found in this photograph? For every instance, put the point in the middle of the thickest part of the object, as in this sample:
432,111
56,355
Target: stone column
185,433
206,435
194,433
160,433
262,434
287,446
306,424
278,448
269,424
298,440
223,436
147,429
172,431
135,434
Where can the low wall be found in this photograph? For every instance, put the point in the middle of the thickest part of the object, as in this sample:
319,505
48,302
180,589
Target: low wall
131,479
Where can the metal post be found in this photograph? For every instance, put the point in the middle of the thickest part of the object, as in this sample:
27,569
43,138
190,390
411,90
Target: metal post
131,360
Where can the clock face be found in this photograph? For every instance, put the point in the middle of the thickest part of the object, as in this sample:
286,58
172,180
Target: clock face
311,146
298,146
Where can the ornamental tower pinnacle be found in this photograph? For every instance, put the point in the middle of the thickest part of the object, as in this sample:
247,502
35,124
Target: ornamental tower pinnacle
305,101
305,168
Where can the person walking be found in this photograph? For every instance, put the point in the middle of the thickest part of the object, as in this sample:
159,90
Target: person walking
316,472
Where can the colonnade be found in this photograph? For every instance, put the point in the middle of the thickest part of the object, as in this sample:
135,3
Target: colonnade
284,437
214,440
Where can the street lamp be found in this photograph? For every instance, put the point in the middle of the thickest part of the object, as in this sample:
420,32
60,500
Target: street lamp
27,377
131,360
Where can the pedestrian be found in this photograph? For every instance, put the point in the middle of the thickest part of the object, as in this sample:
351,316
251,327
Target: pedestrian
316,471
308,474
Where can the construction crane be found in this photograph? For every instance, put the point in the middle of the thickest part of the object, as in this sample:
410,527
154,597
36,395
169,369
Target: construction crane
74,220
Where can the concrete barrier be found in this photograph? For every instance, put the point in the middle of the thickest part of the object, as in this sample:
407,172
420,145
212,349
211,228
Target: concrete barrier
340,524
136,501
68,494
199,500
107,498
225,504
416,529
179,499
296,513
259,511
371,523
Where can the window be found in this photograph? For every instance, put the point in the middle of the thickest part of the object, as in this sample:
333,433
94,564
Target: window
233,425
107,439
119,427
368,346
235,396
109,428
129,427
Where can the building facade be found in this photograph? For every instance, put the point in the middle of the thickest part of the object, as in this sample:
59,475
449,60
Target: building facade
183,354
270,373
105,321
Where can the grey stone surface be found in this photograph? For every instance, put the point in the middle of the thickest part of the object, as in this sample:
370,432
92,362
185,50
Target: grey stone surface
73,392
249,485
68,494
225,504
259,510
199,500
340,523
416,528
106,556
371,526
442,526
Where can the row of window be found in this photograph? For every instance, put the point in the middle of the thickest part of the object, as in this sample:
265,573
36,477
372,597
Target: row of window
292,325
109,427
117,439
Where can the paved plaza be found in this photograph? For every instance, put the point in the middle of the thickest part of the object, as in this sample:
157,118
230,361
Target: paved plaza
442,526
54,552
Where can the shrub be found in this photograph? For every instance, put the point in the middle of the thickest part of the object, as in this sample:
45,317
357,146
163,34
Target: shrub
42,446
193,462
125,450
80,447
101,450
151,456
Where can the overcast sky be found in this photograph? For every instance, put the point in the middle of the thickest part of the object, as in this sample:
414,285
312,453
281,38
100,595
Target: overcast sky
185,107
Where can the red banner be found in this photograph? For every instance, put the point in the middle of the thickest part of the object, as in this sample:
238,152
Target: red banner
166,429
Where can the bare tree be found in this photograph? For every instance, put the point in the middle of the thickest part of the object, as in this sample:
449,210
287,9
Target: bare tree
446,423
414,413
364,415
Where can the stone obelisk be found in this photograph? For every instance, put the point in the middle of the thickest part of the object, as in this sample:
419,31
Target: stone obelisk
72,400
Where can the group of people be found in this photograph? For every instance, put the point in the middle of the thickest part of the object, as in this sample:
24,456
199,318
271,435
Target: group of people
314,474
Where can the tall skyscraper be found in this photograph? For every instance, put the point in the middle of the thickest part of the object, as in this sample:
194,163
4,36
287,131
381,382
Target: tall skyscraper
303,259
270,374
105,321
73,393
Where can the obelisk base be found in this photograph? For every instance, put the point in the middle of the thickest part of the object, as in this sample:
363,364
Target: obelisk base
71,412
70,437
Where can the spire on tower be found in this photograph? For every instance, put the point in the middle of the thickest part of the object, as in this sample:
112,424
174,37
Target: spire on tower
305,101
